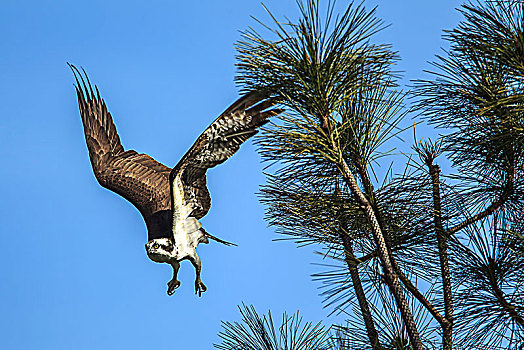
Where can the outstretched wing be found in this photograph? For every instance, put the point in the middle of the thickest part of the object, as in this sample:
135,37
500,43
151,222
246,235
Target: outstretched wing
216,144
137,177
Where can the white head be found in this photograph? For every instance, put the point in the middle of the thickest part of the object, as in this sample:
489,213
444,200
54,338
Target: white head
160,250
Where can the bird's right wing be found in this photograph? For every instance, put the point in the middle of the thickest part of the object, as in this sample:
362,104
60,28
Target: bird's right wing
137,177
216,144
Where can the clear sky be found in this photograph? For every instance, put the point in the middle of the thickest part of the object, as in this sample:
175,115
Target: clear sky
73,269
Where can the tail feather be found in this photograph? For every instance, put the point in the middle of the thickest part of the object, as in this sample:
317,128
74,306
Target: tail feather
208,235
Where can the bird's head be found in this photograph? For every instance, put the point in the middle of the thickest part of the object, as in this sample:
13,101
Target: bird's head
160,250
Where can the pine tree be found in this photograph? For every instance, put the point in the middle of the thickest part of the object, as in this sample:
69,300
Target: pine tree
425,258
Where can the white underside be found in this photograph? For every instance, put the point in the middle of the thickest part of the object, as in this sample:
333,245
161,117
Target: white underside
186,229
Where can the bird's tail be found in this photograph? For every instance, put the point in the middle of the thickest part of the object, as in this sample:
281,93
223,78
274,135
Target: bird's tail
208,235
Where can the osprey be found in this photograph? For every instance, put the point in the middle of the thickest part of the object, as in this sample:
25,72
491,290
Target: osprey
171,201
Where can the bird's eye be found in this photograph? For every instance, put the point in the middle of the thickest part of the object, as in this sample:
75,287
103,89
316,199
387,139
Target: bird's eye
156,246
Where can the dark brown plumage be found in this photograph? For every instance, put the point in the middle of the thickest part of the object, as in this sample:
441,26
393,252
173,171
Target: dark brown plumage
147,183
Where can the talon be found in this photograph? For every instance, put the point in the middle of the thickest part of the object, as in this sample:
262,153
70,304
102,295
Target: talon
200,287
172,285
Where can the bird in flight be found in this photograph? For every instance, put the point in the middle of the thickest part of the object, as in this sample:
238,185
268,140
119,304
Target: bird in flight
171,200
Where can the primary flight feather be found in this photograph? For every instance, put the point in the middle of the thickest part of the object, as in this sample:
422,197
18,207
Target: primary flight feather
171,201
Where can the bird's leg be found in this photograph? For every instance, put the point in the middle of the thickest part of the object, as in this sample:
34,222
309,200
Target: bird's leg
174,283
199,286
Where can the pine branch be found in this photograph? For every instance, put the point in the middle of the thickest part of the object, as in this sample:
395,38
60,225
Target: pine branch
503,198
477,97
257,332
403,278
352,264
507,306
389,274
418,295
442,238
489,287
337,87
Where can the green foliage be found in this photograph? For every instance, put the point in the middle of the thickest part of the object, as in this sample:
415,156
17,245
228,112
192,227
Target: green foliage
392,332
257,332
312,63
494,29
343,111
477,99
489,287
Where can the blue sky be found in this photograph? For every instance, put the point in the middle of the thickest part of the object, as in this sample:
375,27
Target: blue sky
73,269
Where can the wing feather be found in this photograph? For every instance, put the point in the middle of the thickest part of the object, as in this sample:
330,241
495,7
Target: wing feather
137,177
219,142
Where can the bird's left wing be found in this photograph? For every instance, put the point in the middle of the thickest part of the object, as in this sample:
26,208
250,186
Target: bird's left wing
216,144
137,177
